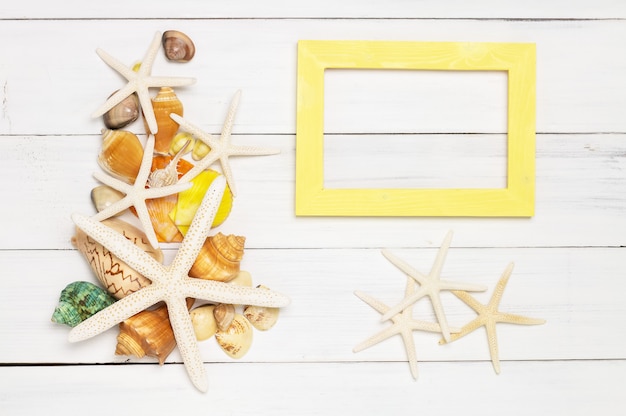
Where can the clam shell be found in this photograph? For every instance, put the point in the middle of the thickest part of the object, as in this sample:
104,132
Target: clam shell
224,314
200,150
243,278
189,201
203,321
179,140
178,46
165,103
237,339
79,301
219,258
261,317
148,333
123,113
121,154
118,278
103,196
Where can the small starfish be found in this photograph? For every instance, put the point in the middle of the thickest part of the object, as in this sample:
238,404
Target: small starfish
137,193
489,316
171,284
139,82
430,285
403,324
221,149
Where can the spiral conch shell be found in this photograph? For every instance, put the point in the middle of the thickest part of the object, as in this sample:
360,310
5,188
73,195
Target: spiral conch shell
147,333
118,278
121,154
237,339
165,103
219,258
78,301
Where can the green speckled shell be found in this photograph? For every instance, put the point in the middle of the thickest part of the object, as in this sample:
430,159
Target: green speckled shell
78,301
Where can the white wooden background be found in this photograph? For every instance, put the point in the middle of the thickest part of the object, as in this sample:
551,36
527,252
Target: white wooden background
389,130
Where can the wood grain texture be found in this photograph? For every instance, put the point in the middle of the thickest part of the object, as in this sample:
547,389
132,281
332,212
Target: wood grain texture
569,258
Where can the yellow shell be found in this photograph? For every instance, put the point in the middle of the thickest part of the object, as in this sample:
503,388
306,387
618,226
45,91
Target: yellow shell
117,277
165,103
261,317
189,201
243,278
121,154
203,321
181,139
219,258
237,339
200,150
147,333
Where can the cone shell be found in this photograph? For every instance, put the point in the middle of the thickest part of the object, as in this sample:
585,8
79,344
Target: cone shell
121,154
261,317
147,333
203,321
79,301
189,201
219,258
123,113
165,103
237,339
118,278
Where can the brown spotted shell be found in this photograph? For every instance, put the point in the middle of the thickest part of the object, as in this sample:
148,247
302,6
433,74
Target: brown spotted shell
237,339
121,154
178,46
219,258
116,276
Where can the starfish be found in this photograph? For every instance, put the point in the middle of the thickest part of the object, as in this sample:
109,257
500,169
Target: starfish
221,149
403,324
489,316
171,284
137,193
430,285
139,82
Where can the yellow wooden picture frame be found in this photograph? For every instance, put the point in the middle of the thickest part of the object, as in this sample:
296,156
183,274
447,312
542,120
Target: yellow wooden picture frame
517,59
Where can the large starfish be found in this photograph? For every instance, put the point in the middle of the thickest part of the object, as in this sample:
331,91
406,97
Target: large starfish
139,82
403,324
171,284
137,193
430,285
489,316
221,149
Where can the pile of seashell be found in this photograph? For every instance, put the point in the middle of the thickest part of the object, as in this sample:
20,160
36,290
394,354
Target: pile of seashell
149,332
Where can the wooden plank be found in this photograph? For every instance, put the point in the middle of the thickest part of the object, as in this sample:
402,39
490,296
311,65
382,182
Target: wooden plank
42,94
579,202
533,9
572,387
565,286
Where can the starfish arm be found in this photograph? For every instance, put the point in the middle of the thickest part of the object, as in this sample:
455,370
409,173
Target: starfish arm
469,300
162,191
492,340
115,313
228,174
377,305
405,303
115,99
518,319
146,223
227,129
500,286
252,151
148,59
426,326
221,292
169,81
186,341
117,65
114,208
441,255
452,285
470,327
148,110
113,182
377,338
199,228
146,163
409,347
126,251
403,266
441,316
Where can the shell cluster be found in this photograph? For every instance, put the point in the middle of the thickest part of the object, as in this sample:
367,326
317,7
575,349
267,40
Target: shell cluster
149,332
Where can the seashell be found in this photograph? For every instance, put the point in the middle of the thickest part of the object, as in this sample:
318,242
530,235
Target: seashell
79,301
189,201
118,278
181,139
147,333
243,278
123,113
219,258
165,103
203,321
261,317
121,154
102,196
224,314
178,46
200,150
167,175
237,339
